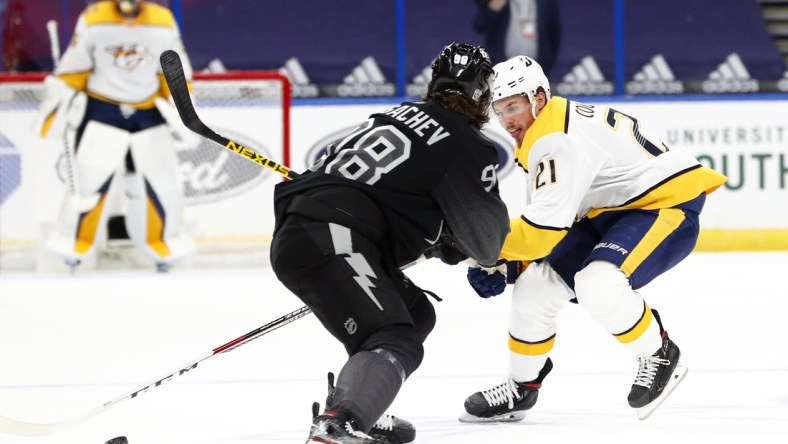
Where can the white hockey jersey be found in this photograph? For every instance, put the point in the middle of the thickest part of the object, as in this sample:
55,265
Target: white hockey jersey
116,59
585,159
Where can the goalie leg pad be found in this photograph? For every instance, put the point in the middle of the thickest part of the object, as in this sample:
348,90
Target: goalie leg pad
538,295
155,192
101,152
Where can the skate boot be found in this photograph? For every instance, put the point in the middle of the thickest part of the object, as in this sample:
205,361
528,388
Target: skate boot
506,402
72,265
658,375
389,429
334,427
393,430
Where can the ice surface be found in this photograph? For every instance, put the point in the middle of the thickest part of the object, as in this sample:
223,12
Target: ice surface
71,343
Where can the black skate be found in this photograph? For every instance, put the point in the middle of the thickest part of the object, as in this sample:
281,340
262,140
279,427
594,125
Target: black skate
393,430
506,402
336,428
658,375
388,429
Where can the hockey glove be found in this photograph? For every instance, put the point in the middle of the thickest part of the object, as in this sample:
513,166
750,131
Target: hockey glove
447,250
492,281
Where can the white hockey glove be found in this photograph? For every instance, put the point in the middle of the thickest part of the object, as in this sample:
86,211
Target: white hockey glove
51,119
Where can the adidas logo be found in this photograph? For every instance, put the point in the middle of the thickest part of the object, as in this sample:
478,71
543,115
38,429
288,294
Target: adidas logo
655,77
366,80
731,76
298,79
585,79
782,84
419,86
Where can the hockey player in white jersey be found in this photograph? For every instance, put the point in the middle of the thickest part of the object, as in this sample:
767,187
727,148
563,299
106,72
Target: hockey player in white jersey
609,207
109,93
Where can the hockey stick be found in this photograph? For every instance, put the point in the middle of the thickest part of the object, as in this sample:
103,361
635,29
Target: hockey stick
172,68
54,42
22,428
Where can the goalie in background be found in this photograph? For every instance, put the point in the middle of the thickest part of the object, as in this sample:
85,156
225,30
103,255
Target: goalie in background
409,180
109,98
609,208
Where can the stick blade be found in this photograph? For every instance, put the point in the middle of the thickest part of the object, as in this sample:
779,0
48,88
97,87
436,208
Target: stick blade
172,68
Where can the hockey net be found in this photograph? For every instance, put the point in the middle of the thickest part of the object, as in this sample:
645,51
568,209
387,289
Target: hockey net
229,200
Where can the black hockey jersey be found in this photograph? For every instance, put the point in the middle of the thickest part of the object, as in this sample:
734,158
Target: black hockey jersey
425,168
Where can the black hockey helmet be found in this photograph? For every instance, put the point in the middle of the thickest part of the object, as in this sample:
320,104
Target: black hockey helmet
464,69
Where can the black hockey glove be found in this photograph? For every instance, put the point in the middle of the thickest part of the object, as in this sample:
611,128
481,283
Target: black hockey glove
447,251
488,282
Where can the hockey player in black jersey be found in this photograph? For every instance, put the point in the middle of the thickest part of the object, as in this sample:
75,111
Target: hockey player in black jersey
417,179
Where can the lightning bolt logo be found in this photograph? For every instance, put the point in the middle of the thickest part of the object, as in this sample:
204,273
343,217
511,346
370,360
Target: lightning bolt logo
364,272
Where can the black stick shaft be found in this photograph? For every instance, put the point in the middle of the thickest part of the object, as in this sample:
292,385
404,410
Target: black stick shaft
172,68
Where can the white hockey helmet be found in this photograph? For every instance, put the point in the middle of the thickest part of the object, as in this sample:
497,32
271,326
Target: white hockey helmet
519,75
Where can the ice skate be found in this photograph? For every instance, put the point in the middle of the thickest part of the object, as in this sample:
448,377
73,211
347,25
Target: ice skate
658,375
388,429
334,427
393,430
72,265
506,402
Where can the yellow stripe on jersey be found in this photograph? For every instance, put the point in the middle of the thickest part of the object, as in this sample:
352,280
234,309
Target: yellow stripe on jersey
668,220
148,103
76,80
675,190
531,348
553,119
106,12
527,241
638,329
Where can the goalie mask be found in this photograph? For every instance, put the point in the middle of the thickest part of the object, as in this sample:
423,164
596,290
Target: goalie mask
462,69
129,8
520,75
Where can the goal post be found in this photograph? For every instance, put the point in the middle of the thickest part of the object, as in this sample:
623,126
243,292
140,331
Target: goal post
228,201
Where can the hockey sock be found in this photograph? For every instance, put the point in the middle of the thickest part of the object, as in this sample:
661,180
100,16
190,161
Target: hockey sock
366,387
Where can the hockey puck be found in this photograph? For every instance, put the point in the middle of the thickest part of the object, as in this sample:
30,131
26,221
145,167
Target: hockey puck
118,440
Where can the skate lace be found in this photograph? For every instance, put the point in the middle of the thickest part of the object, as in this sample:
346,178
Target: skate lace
386,422
357,433
647,370
505,392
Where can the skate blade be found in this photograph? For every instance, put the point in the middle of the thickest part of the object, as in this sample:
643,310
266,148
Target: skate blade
506,417
678,375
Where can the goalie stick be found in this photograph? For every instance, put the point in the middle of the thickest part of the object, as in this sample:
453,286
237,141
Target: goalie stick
22,428
172,68
54,42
